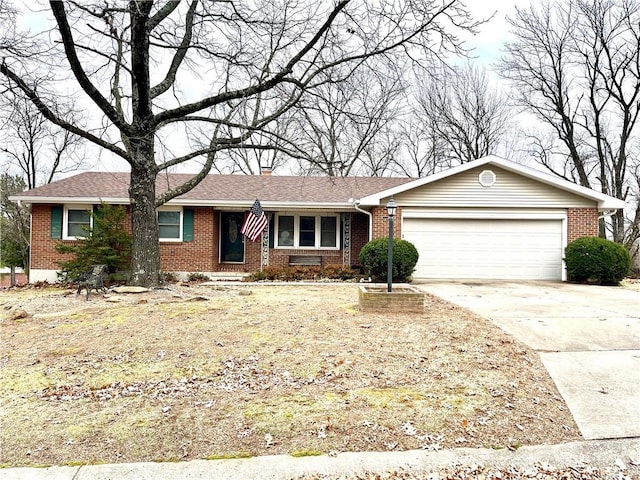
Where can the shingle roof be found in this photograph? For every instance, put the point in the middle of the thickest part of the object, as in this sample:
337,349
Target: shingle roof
217,189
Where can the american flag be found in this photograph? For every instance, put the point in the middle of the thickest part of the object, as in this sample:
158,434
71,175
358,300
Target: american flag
255,223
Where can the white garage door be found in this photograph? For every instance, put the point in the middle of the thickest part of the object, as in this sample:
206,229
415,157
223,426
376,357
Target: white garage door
496,249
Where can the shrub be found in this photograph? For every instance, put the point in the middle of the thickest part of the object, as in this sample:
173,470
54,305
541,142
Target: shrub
337,271
296,273
373,257
107,243
597,260
198,277
169,277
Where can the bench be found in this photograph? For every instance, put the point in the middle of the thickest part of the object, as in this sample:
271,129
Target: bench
305,260
93,280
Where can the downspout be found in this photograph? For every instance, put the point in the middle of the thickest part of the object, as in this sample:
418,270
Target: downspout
356,204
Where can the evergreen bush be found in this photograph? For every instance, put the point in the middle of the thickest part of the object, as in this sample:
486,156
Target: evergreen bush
597,260
107,243
373,257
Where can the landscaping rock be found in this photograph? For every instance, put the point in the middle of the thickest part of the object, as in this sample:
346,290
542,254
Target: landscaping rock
130,289
17,314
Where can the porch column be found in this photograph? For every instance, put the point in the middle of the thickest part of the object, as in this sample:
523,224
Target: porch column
346,239
264,248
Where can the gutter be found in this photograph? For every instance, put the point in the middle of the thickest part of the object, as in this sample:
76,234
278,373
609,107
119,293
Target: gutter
356,205
607,214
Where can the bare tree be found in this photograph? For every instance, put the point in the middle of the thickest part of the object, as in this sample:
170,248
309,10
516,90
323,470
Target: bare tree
424,150
576,65
468,114
341,127
36,149
158,69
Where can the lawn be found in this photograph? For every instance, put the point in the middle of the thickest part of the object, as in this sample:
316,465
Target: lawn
197,371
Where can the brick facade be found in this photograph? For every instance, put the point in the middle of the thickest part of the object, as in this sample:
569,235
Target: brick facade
581,222
199,255
381,223
43,253
359,235
202,254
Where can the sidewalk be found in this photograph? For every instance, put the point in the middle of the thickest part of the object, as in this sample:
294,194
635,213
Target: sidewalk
614,458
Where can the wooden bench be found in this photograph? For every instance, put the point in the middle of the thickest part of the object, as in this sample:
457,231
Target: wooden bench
305,260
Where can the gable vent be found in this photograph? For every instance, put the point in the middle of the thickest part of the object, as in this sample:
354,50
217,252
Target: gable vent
487,178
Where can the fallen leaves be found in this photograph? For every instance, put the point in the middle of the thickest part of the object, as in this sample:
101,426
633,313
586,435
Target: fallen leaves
471,471
222,372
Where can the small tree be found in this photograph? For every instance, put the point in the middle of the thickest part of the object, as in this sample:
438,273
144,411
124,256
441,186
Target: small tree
14,225
373,257
107,243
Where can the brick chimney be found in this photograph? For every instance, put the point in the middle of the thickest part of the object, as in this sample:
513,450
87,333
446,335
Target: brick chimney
265,170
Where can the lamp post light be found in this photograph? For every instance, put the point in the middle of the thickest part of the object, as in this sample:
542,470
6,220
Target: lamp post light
391,213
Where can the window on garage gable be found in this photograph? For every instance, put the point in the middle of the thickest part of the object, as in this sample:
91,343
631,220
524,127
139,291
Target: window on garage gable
307,231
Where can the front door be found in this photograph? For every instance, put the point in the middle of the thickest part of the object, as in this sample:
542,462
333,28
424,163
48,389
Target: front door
231,240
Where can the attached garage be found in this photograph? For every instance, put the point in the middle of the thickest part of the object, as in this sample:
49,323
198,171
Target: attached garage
491,219
486,248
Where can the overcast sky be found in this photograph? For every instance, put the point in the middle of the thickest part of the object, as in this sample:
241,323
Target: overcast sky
494,33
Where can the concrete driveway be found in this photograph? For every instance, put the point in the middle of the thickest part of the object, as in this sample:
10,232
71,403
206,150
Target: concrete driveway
588,338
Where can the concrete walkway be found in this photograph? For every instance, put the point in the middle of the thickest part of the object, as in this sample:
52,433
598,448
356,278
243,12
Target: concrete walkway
587,336
614,458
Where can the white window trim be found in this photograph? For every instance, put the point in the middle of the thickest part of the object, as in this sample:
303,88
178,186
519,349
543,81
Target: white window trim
296,230
65,220
181,226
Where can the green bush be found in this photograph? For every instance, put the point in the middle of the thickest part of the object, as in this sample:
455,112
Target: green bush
597,260
373,257
107,243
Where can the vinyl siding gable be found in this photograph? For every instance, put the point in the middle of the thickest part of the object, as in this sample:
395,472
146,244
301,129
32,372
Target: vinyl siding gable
509,190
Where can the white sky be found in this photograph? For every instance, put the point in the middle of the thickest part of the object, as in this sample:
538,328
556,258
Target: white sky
492,35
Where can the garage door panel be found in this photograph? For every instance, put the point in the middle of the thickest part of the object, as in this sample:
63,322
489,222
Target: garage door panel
500,249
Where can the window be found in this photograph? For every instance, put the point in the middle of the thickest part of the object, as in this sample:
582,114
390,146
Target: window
285,231
307,231
169,225
76,221
328,232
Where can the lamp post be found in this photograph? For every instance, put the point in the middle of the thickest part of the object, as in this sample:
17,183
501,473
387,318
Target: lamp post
391,212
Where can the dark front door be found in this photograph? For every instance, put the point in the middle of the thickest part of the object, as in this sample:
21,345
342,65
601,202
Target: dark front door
231,240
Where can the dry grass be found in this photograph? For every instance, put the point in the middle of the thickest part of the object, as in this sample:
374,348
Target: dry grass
212,372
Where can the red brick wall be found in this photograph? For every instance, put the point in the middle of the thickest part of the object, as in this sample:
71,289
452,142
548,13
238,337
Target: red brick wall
359,235
581,222
381,223
43,253
200,255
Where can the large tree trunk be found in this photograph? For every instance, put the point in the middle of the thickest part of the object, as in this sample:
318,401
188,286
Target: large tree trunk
145,248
